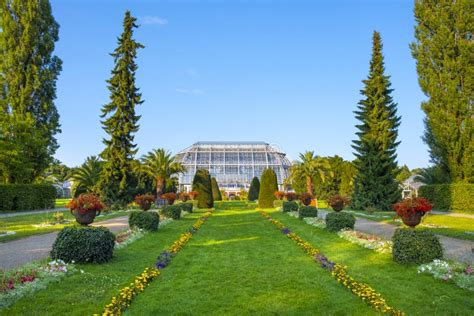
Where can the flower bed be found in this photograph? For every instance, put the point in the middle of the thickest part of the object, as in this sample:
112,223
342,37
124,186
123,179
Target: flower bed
462,275
367,241
362,290
126,295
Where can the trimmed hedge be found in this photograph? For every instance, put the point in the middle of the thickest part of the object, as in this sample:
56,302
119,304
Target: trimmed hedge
452,197
268,187
415,246
290,206
84,244
254,189
144,220
186,207
216,193
202,185
308,211
335,221
23,197
172,211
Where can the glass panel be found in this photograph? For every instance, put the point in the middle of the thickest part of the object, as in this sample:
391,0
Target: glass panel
231,169
202,158
231,158
260,158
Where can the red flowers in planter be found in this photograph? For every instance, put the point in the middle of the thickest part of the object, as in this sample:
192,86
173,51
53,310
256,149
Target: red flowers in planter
144,201
409,206
169,197
85,203
279,195
306,198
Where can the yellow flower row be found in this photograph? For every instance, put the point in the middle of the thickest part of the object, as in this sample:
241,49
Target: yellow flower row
362,290
128,293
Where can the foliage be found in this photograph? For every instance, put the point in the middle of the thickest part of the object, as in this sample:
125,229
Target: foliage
307,211
123,239
86,177
84,244
85,203
409,206
339,179
335,221
216,193
375,185
202,185
338,202
415,246
29,119
172,211
120,120
306,198
183,196
279,195
145,201
454,197
268,186
254,189
186,207
193,195
169,197
144,220
290,206
432,175
403,174
462,275
56,173
291,196
278,204
365,240
310,167
443,51
22,197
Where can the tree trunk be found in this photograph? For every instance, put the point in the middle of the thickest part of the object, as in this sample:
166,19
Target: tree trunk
309,185
160,187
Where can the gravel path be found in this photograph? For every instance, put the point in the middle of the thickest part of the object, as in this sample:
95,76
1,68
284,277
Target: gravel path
18,252
456,249
12,214
471,216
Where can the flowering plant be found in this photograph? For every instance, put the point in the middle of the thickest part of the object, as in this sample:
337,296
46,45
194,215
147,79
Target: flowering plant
183,196
338,202
306,198
291,196
409,207
144,201
169,197
193,194
462,275
86,203
279,194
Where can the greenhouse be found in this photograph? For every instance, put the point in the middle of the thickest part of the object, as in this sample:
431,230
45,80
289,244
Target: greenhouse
234,164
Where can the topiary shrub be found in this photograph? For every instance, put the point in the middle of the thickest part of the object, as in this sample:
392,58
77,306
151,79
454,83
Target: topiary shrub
202,185
268,186
216,193
278,203
172,211
254,189
23,197
335,221
307,211
415,246
290,206
186,207
84,244
144,220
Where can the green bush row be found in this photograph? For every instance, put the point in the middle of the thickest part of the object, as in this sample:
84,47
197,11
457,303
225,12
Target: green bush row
290,206
452,197
308,211
144,220
23,197
335,221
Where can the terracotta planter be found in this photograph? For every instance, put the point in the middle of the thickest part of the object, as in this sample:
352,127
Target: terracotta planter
86,218
413,219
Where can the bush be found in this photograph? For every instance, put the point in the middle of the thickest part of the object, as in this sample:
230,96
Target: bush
84,244
202,185
254,189
144,220
290,206
216,193
23,197
186,207
307,211
268,186
453,197
278,203
172,211
415,246
335,221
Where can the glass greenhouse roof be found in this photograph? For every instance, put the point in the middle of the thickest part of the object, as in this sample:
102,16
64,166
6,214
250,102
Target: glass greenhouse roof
234,164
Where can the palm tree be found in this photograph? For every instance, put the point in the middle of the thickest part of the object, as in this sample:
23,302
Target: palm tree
160,165
308,168
87,175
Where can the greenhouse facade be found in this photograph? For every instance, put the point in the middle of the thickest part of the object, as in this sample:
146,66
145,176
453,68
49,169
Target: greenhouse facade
233,164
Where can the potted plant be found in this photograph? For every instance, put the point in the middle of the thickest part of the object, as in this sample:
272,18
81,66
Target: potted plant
193,194
338,202
279,195
306,198
169,197
412,210
85,208
184,197
144,201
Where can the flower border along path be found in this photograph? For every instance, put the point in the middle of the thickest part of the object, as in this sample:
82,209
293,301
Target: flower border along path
364,291
126,295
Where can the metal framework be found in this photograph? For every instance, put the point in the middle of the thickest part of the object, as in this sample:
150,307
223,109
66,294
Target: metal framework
234,164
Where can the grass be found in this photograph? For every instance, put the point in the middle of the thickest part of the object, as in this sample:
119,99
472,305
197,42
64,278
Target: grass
239,263
60,203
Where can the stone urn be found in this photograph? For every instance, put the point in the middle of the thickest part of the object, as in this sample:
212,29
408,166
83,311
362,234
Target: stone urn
85,218
413,219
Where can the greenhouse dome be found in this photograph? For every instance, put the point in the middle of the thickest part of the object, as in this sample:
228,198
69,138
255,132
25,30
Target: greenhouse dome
233,164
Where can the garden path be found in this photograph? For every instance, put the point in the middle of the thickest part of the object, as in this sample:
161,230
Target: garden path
455,249
12,214
453,214
21,251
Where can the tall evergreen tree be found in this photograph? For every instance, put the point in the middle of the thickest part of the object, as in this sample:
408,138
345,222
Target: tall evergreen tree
268,187
29,119
202,184
444,52
120,121
375,184
216,193
254,189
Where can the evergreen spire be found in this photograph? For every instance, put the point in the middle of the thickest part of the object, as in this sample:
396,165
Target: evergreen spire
375,185
120,121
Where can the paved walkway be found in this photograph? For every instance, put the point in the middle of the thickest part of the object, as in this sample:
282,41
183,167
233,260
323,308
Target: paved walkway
471,216
12,214
456,249
21,251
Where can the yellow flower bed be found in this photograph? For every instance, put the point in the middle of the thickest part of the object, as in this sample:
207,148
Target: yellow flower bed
362,290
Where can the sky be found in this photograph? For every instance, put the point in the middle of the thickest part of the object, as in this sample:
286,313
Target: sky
285,72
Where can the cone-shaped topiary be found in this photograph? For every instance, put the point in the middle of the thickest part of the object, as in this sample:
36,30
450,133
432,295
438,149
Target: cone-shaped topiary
268,187
202,185
216,193
254,189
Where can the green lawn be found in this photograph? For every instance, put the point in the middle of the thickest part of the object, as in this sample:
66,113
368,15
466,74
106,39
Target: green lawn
239,263
59,203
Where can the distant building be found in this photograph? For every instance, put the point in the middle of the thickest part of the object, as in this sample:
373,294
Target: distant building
410,187
233,164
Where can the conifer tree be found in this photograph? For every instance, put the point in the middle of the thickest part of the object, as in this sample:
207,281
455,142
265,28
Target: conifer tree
29,119
444,52
268,187
202,185
120,121
375,184
216,193
254,189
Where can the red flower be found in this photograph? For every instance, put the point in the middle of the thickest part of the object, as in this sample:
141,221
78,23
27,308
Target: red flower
85,203
411,206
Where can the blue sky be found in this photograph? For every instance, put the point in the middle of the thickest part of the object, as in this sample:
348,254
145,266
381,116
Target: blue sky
284,72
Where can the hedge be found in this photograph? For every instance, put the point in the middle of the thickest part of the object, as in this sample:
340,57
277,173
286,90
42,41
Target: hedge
452,197
144,220
23,197
172,211
186,207
202,185
308,211
290,206
268,187
415,246
335,221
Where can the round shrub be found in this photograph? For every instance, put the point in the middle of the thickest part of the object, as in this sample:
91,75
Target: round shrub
254,189
268,186
415,246
336,221
84,244
202,185
144,220
172,211
186,207
308,211
290,206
